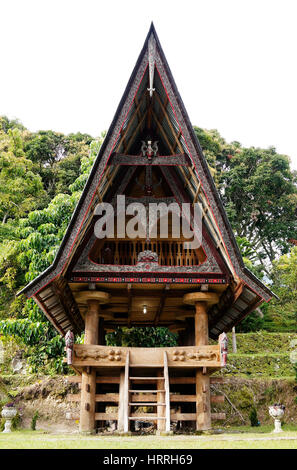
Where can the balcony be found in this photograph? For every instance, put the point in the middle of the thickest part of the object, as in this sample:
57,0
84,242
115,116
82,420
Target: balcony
178,357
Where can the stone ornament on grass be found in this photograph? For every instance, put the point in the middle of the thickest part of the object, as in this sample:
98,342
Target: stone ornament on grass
277,412
8,413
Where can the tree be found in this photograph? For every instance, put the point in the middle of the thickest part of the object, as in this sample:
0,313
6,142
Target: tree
37,238
20,188
282,314
259,192
57,158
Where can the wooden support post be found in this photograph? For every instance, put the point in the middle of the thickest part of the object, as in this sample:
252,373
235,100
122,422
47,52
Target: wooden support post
203,410
167,393
101,332
93,299
201,324
87,407
161,399
121,402
202,300
126,395
88,379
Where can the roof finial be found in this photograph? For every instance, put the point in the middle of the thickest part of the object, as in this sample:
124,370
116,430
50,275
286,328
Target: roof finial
152,60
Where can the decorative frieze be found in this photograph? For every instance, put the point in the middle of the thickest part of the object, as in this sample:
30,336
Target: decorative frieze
189,356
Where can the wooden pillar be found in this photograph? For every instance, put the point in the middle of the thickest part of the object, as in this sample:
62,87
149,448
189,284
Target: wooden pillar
121,402
202,300
101,332
88,380
203,410
161,425
201,324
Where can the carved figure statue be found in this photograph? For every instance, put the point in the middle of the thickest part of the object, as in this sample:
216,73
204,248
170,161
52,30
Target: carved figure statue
223,341
69,341
149,149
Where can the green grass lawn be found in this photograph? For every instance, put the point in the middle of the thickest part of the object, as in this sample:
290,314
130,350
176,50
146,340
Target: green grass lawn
233,439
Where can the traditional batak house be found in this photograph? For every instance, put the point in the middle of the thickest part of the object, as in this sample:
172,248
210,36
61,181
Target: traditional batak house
150,155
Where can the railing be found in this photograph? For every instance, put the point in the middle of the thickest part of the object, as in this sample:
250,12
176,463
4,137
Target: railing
170,252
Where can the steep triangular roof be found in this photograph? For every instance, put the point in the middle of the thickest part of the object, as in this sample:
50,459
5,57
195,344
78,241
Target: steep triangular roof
167,113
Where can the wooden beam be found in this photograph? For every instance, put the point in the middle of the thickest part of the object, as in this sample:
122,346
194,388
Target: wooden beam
174,397
161,305
48,314
107,397
183,416
192,398
107,380
192,416
63,292
129,288
172,380
218,415
145,416
73,379
135,132
74,397
197,193
169,123
167,393
130,122
182,380
217,380
126,395
138,105
217,399
163,133
178,159
106,416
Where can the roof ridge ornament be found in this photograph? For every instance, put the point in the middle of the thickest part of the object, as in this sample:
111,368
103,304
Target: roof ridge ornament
152,61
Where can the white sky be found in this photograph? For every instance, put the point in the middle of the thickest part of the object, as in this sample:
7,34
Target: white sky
65,63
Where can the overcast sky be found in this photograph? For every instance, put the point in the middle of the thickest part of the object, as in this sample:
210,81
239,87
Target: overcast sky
65,63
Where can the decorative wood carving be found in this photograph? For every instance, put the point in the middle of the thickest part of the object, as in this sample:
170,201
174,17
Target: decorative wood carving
108,354
69,342
190,356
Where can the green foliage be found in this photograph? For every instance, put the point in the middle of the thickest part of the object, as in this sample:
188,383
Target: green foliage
259,193
44,346
20,187
34,420
259,365
254,417
282,314
264,342
252,322
37,237
58,158
144,337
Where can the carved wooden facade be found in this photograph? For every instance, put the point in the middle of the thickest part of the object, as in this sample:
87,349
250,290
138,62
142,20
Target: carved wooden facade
150,154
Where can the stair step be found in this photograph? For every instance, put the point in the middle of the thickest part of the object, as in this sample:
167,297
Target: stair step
146,391
147,378
151,403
